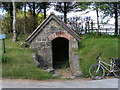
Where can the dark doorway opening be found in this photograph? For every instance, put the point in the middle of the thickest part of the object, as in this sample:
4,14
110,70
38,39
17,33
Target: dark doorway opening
60,50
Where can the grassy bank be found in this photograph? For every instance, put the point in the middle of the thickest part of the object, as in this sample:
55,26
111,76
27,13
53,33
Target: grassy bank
18,61
90,46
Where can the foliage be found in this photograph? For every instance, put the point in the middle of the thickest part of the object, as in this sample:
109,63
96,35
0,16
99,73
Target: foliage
44,6
5,23
7,5
65,7
20,22
70,6
83,5
40,18
110,9
5,58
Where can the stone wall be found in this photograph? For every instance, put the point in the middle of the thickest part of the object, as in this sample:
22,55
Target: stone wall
42,42
73,57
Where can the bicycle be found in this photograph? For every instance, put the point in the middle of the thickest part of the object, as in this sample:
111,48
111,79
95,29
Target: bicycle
97,71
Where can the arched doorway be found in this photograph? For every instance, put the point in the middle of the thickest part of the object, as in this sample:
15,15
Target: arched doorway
60,50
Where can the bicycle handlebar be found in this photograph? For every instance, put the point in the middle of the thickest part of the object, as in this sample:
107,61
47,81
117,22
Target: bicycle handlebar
98,56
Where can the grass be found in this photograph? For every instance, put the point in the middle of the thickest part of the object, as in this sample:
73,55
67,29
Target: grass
91,46
18,61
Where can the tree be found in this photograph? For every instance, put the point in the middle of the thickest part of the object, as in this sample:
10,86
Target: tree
65,7
34,15
14,22
1,31
111,9
97,6
44,6
108,8
25,17
9,8
20,23
34,9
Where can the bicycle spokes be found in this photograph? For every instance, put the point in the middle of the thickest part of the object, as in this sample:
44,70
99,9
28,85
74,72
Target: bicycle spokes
96,72
116,71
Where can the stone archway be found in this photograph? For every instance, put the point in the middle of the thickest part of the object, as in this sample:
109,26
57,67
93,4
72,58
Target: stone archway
60,51
60,34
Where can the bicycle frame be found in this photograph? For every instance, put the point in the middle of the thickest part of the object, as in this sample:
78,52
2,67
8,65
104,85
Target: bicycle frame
102,63
97,71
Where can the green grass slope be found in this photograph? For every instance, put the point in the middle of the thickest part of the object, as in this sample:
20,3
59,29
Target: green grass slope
18,61
91,46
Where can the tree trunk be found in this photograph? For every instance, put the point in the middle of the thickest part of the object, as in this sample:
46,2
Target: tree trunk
11,18
14,22
34,16
1,31
85,27
97,21
65,12
45,10
91,26
24,18
116,19
88,27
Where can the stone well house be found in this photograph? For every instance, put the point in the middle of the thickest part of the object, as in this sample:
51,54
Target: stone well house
55,42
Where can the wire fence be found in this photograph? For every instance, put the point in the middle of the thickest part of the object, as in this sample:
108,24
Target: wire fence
85,28
87,25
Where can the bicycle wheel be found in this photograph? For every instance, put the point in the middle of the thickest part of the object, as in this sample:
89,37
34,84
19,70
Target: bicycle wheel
116,71
96,72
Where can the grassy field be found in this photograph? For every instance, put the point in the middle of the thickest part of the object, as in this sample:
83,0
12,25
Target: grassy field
91,46
18,61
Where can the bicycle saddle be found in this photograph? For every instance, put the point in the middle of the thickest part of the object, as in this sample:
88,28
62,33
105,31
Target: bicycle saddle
111,58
